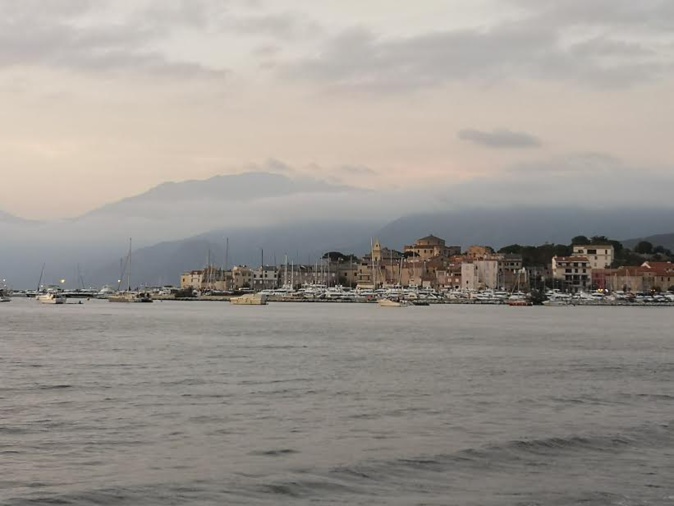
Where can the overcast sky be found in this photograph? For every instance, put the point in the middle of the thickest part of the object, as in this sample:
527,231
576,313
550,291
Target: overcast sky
102,99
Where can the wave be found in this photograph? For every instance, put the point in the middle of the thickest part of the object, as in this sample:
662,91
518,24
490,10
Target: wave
523,471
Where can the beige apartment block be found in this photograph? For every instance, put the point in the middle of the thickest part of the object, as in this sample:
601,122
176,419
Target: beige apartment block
575,272
599,256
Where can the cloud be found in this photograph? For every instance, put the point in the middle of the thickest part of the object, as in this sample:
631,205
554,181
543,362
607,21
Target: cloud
500,138
84,36
356,170
582,180
573,164
596,44
282,26
272,166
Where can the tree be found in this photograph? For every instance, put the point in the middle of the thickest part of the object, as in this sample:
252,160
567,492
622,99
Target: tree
340,258
644,248
599,239
513,249
580,240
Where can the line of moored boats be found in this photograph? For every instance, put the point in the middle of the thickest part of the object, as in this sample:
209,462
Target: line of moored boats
392,296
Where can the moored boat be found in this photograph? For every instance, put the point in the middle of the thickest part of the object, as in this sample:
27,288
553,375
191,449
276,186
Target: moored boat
130,297
520,302
250,299
51,298
389,302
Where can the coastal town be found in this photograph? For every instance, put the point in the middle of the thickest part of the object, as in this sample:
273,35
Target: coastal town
431,270
589,271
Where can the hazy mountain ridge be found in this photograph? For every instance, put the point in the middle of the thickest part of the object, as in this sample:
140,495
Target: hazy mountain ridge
243,187
172,212
163,263
305,243
8,218
174,225
526,226
664,240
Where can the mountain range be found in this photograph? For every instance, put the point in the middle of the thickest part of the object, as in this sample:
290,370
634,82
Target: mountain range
175,225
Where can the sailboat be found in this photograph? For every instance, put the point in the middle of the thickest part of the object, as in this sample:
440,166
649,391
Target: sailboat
518,299
129,295
50,296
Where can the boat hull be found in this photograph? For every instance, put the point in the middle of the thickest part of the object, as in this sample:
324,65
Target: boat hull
393,303
249,300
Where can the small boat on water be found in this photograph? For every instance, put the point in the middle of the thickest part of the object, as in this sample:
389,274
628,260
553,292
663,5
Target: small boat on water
250,299
4,297
130,297
520,302
420,303
51,298
389,302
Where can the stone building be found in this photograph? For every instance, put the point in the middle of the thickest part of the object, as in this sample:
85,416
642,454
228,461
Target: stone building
430,247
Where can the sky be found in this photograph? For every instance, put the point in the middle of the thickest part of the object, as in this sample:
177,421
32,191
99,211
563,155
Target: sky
104,99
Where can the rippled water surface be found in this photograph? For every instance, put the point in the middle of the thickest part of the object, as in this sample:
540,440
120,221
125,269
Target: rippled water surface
207,403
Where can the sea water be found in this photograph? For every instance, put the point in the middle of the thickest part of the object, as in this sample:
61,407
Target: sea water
205,403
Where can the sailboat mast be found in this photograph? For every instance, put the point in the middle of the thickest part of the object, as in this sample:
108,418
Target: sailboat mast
39,282
128,272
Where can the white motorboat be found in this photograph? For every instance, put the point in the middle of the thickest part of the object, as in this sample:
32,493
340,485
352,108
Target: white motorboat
51,298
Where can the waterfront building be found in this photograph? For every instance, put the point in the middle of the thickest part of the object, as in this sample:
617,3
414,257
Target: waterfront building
511,276
648,277
450,276
480,274
347,273
265,278
574,272
600,256
192,280
208,279
242,277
